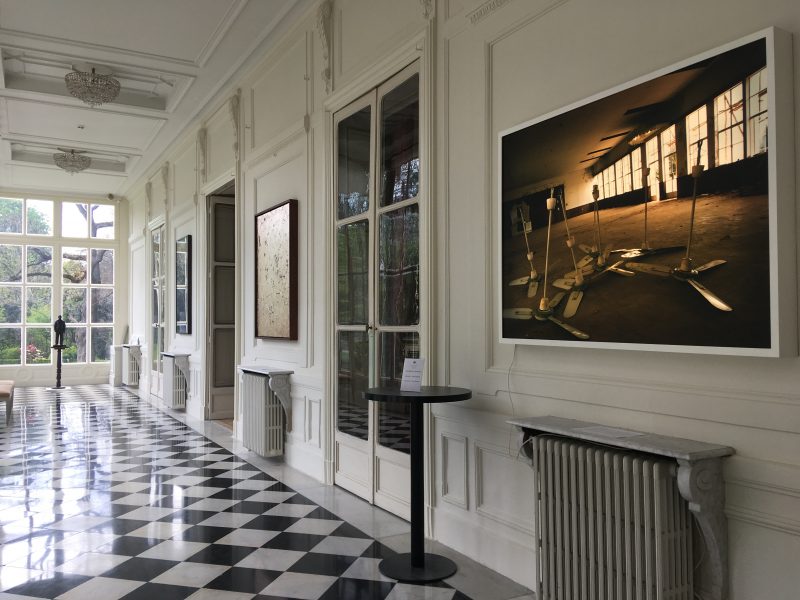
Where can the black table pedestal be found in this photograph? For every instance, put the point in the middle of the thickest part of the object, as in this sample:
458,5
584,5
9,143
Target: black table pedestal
418,566
434,568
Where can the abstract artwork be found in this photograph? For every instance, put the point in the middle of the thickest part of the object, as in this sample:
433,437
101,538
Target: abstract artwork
276,272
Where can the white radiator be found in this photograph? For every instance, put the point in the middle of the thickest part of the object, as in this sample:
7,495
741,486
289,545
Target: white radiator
262,416
611,524
175,385
130,364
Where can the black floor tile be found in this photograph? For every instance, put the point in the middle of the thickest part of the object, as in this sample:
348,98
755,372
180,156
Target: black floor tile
160,591
250,507
140,569
358,589
50,586
302,542
221,554
270,523
322,564
249,581
203,533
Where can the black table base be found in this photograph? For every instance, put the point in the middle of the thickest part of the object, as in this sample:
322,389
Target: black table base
418,565
434,568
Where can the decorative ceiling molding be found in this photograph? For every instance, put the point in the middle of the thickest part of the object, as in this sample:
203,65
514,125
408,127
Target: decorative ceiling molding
324,29
36,42
219,33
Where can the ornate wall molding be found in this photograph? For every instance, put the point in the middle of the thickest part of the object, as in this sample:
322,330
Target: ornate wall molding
148,202
324,28
427,9
165,181
202,153
234,105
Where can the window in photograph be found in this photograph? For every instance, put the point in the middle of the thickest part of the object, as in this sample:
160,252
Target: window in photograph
757,113
729,126
697,134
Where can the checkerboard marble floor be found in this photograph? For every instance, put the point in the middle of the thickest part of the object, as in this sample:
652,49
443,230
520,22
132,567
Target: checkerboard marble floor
105,496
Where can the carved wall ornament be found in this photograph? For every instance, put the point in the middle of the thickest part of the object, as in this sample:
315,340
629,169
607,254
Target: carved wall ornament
202,149
324,25
148,197
165,180
234,105
279,384
485,10
427,8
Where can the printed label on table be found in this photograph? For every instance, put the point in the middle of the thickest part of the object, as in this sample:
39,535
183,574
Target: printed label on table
412,375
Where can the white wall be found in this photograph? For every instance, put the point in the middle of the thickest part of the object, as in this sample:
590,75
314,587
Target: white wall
516,62
497,63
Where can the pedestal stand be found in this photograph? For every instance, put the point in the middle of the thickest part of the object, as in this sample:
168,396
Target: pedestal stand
58,348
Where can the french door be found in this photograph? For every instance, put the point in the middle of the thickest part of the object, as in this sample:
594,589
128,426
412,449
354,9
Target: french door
157,290
377,287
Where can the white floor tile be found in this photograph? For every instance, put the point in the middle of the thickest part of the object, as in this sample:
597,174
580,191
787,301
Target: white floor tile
102,587
173,550
299,585
271,559
191,574
91,563
315,526
251,538
346,546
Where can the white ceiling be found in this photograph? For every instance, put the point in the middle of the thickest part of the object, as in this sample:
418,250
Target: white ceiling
170,56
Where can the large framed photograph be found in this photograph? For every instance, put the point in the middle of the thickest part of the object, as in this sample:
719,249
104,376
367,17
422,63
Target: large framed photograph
276,272
658,215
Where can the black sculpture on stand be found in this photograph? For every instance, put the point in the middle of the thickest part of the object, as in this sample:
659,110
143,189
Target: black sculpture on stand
59,327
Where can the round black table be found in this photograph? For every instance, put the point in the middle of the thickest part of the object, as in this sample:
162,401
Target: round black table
417,565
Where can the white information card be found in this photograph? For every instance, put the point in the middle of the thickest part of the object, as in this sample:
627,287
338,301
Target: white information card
412,375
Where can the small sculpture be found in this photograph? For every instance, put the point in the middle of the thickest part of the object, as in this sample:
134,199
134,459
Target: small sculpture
59,327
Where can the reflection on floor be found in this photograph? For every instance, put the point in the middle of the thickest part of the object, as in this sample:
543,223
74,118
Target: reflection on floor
394,430
103,495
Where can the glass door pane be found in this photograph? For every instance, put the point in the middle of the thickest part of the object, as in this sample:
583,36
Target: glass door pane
353,135
352,283
352,378
398,267
400,143
393,417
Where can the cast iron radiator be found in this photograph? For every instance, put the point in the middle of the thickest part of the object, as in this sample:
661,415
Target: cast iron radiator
611,524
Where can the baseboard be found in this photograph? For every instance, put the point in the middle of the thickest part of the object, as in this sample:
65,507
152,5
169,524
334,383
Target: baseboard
305,459
486,545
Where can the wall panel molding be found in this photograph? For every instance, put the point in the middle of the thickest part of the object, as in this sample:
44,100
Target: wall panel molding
483,507
454,447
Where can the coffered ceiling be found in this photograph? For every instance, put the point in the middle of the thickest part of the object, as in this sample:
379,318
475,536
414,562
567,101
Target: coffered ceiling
170,56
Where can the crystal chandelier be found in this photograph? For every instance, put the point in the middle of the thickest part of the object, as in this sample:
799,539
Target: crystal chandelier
72,161
93,87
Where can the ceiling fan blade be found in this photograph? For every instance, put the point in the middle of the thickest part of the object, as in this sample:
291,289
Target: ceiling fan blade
565,283
586,248
637,252
713,299
574,331
520,281
585,260
573,303
659,270
555,300
586,270
533,287
621,271
710,265
521,314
